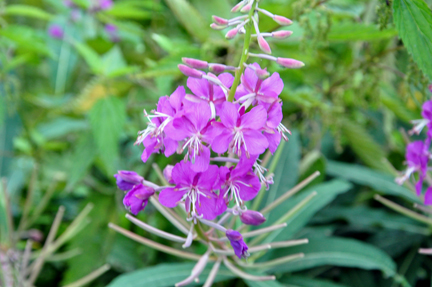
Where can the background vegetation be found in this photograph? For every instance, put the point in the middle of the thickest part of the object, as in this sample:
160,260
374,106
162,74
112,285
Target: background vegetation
70,110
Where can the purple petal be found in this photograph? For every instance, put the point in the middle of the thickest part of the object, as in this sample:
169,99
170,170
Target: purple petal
244,166
202,160
274,115
180,129
171,196
428,196
177,97
427,110
255,141
183,174
170,146
149,149
209,179
199,115
248,192
254,119
222,141
199,87
273,84
273,140
249,79
419,186
229,114
206,207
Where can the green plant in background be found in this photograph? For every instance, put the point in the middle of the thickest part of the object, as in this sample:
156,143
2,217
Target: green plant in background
360,85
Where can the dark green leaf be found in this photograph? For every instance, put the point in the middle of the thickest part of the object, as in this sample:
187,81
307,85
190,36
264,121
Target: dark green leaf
413,20
359,32
90,56
304,281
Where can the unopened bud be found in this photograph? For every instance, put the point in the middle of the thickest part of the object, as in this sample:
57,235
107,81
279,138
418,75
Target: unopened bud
289,63
246,8
167,172
231,33
217,27
194,63
281,34
219,20
282,20
251,217
262,74
190,72
264,46
217,68
237,7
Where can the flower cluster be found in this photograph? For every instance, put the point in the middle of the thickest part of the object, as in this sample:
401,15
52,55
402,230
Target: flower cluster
418,155
221,118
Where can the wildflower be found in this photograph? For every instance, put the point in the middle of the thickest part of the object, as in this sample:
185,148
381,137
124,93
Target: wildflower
105,4
194,128
274,130
239,183
126,180
56,31
253,90
195,189
239,131
417,158
137,198
205,91
167,172
251,217
112,32
237,243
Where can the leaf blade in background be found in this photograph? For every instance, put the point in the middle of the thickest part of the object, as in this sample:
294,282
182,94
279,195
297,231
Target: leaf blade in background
167,274
107,118
413,20
28,11
92,59
359,32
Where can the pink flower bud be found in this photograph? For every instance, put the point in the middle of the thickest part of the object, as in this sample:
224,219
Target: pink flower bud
246,8
217,27
237,7
219,20
289,63
167,172
282,20
251,217
231,33
190,72
217,68
281,34
194,63
264,46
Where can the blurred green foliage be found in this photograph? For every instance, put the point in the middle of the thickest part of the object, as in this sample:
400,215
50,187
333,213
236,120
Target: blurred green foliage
70,110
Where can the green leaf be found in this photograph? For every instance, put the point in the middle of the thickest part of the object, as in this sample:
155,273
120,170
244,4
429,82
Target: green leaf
326,193
365,147
190,18
164,275
413,20
113,61
61,126
374,179
263,283
81,158
392,101
359,32
337,252
130,10
304,281
28,11
107,118
90,56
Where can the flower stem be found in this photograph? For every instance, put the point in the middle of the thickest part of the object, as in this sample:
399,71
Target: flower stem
244,55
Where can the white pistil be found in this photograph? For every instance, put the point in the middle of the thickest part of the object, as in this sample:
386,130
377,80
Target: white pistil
418,126
283,130
400,180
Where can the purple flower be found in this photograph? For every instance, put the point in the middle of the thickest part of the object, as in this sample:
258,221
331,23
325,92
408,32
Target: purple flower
237,243
428,196
126,180
274,130
136,199
195,189
204,91
56,31
425,122
417,157
254,90
194,128
239,183
239,130
167,172
153,137
112,32
251,217
105,4
69,3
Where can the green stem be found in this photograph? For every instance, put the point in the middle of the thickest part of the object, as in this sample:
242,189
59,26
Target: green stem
244,56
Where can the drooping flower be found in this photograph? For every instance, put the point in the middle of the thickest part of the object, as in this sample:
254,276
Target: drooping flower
137,198
252,217
237,243
195,189
56,31
126,179
194,128
204,91
239,183
240,131
274,130
253,90
153,137
417,157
